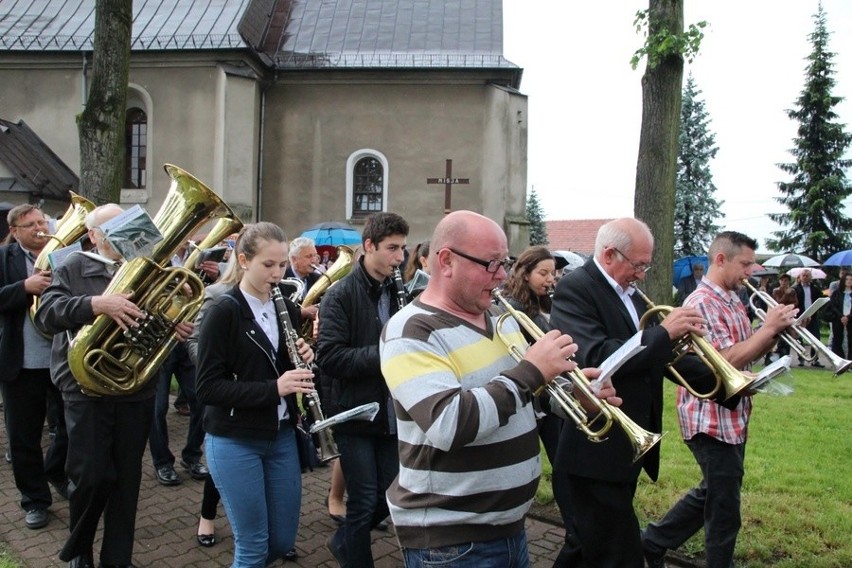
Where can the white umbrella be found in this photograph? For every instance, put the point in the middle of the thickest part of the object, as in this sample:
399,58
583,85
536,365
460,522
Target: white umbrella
815,272
572,259
790,260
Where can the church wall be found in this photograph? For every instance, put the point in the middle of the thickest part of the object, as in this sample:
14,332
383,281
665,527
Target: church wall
312,128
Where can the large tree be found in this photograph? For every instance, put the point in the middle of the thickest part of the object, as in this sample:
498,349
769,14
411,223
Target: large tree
696,210
101,124
535,216
815,224
665,47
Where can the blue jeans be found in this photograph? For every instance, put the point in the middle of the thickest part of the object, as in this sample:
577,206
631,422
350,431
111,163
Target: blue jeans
370,464
177,363
261,486
714,505
501,553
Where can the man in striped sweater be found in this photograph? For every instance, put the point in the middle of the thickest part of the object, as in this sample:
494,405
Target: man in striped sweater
468,444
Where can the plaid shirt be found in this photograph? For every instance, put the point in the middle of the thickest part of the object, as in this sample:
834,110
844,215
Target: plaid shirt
727,323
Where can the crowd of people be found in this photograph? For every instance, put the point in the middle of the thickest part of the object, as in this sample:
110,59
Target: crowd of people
452,454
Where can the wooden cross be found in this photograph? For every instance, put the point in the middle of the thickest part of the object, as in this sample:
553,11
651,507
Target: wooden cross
448,181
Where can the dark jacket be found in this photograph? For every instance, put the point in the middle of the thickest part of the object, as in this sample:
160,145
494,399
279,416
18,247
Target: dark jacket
816,294
311,278
587,308
14,305
238,371
348,346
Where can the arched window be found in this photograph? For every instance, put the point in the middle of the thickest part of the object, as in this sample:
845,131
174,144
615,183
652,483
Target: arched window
367,183
135,147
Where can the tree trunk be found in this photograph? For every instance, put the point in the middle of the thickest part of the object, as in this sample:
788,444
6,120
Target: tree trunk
656,168
101,124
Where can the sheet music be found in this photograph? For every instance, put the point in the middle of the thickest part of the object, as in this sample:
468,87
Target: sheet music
814,308
614,362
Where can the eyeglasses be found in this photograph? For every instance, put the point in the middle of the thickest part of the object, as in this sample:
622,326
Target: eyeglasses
491,266
31,224
637,267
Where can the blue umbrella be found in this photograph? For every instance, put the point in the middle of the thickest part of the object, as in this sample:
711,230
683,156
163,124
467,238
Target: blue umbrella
683,267
333,234
842,258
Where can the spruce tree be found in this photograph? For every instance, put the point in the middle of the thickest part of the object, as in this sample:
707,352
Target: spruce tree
695,207
815,224
535,216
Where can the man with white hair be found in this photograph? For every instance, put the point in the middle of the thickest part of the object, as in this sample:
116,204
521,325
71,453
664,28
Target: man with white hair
303,257
808,292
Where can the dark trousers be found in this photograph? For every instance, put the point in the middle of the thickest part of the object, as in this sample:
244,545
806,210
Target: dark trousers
713,505
179,365
607,530
26,400
106,441
370,463
841,337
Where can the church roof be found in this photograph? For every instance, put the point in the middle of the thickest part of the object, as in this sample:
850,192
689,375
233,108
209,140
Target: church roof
301,34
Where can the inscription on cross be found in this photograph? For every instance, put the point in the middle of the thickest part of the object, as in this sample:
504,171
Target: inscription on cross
448,181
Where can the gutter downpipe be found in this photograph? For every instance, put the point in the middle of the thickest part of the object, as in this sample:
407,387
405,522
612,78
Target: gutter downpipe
260,147
83,84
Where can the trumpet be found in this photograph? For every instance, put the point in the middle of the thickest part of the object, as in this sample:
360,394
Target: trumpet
727,376
640,439
797,337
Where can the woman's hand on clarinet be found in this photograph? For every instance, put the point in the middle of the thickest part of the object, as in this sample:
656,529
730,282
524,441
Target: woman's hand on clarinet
305,351
296,380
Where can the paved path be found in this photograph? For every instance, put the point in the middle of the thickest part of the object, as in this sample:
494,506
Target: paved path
168,518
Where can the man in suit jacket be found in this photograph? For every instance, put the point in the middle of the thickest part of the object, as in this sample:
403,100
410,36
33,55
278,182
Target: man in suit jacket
595,304
303,258
808,292
25,381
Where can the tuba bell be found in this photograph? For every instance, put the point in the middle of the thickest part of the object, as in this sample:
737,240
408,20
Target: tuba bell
108,361
340,268
69,228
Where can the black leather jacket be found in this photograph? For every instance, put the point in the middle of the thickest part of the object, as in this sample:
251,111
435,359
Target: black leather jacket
348,346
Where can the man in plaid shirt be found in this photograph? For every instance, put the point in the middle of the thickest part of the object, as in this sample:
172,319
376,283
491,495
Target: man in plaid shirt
716,434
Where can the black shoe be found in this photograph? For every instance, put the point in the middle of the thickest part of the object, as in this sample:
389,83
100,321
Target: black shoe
801,363
167,475
206,540
291,554
83,561
382,526
817,364
61,488
197,470
36,518
654,556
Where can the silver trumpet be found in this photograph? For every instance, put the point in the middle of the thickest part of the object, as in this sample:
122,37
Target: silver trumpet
797,337
640,439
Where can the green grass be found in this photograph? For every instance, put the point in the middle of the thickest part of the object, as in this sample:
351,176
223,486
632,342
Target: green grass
797,491
7,559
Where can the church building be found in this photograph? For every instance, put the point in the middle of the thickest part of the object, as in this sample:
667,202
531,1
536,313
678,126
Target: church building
294,111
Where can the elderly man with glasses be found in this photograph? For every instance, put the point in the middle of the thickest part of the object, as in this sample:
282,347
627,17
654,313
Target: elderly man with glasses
595,304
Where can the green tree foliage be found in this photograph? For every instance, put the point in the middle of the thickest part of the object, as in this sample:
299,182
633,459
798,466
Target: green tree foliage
815,224
696,210
535,216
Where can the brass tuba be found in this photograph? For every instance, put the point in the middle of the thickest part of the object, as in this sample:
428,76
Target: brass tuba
640,439
727,376
69,228
108,361
223,227
340,268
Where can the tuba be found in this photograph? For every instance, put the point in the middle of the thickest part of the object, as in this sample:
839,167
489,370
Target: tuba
108,361
727,376
224,226
640,439
340,268
69,228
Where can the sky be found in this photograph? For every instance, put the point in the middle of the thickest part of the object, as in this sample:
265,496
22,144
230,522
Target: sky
585,102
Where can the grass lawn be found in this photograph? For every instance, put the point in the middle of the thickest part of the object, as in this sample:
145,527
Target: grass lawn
797,491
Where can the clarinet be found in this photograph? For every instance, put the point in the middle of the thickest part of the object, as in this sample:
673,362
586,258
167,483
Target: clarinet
327,447
401,298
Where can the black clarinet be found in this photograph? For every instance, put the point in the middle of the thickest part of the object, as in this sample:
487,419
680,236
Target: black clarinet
401,297
327,447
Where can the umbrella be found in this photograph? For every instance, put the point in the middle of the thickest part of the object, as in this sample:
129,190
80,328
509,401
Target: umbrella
815,272
790,260
683,267
842,258
333,234
761,271
568,260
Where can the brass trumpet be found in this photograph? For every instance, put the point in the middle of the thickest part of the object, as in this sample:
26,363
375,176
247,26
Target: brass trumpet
640,439
727,376
797,337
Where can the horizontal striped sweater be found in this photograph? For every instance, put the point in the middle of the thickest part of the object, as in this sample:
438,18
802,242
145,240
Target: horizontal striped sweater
468,443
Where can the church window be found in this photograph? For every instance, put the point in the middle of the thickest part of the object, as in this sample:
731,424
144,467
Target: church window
135,146
366,183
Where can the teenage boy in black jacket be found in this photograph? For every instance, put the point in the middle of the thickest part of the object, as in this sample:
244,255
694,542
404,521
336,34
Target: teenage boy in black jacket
352,315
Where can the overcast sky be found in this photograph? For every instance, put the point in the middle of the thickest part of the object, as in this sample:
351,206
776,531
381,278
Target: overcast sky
585,102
